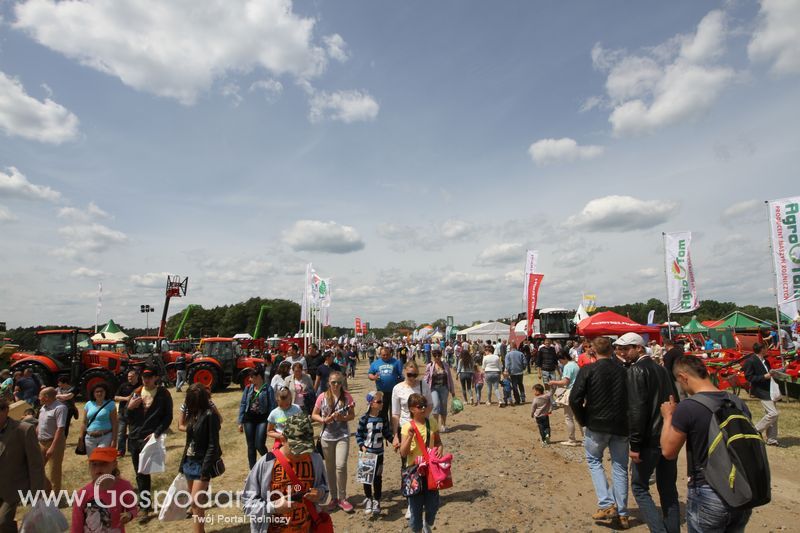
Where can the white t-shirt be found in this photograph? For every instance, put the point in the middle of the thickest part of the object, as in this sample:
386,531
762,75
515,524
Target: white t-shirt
277,382
400,395
491,363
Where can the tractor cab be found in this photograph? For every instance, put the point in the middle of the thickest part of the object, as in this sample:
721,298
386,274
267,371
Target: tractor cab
556,323
222,362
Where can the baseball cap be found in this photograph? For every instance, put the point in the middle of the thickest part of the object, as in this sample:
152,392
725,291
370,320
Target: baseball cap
630,339
149,372
103,454
300,434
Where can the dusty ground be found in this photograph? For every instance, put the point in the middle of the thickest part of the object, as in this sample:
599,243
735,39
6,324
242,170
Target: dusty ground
503,480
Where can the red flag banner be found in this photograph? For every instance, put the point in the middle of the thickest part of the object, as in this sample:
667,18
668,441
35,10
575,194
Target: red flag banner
534,280
358,325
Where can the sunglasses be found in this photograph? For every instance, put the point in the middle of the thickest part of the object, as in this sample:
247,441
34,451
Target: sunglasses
377,401
336,382
411,375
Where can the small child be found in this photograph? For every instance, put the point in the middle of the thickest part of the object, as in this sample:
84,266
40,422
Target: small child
506,384
477,381
372,430
540,411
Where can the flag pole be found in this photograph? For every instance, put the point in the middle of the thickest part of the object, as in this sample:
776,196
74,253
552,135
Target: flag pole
775,282
666,283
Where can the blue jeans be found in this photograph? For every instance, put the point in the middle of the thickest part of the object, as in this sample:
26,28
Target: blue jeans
429,499
493,384
706,513
548,375
256,435
669,519
595,445
439,395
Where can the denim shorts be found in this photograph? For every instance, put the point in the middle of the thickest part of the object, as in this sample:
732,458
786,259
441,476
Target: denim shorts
191,468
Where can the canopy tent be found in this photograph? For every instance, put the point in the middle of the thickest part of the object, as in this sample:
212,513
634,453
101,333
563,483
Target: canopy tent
486,331
243,336
580,314
694,326
739,320
611,323
110,331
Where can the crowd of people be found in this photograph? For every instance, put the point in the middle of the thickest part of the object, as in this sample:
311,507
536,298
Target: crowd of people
627,395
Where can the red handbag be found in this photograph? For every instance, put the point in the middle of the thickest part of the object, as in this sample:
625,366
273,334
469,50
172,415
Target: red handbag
321,521
437,471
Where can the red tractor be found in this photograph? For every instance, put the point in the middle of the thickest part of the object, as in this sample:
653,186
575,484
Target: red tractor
222,362
69,352
157,351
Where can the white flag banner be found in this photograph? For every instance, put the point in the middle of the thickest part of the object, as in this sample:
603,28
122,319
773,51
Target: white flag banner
306,289
99,305
324,292
681,289
530,268
783,218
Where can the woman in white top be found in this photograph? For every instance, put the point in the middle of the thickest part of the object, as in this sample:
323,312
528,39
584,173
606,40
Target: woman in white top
400,393
492,368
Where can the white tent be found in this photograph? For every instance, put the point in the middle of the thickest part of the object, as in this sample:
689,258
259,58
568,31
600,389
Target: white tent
486,331
580,314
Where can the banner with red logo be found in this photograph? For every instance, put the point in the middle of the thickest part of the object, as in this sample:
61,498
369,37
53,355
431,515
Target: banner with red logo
681,289
533,283
358,326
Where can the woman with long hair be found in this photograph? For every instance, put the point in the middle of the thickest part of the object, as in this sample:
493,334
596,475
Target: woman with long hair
202,451
440,380
334,410
258,401
282,371
302,388
465,368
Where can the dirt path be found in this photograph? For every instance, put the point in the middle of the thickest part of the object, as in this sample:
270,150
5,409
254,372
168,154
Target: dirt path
504,479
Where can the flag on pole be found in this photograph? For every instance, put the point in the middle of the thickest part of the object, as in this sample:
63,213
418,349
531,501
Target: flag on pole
530,267
534,281
358,325
681,289
99,305
305,302
590,302
783,218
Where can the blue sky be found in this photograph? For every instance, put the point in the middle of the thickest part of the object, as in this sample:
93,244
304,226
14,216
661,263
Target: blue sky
411,150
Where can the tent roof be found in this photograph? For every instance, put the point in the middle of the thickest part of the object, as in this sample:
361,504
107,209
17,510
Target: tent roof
739,320
487,328
611,323
111,327
694,326
110,331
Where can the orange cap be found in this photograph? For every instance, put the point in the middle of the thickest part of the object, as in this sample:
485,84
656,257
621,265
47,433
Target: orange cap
104,454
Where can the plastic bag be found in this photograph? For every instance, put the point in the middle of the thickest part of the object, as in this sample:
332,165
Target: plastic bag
175,509
153,457
774,391
44,518
456,406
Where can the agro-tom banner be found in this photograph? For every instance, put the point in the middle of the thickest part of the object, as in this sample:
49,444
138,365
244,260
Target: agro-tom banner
783,215
681,289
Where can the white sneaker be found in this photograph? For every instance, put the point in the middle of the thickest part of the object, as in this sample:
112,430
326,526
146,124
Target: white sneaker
443,429
408,512
376,507
368,506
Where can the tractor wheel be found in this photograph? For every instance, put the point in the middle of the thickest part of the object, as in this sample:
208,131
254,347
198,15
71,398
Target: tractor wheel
206,374
47,379
93,377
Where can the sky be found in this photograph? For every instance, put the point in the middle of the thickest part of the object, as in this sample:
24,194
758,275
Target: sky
411,151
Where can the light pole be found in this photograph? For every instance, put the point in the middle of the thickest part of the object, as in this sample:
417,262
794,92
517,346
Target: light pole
146,309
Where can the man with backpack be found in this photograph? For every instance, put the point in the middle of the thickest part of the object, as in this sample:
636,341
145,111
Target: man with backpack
649,385
726,457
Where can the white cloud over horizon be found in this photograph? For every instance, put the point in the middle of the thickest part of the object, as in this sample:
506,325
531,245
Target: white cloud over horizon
319,236
622,213
777,38
21,115
547,151
344,106
501,253
14,184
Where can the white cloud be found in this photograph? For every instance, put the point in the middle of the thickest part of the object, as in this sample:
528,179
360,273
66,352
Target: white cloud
6,215
336,47
647,273
318,236
175,49
231,91
454,229
22,115
75,214
14,184
777,38
672,82
150,280
83,272
272,89
622,213
89,237
591,103
345,106
747,211
502,253
546,151
468,281
394,232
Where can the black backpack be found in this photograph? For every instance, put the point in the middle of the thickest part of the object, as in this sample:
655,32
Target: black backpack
737,468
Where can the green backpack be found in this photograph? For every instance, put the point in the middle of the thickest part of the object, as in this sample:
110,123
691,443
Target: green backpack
737,468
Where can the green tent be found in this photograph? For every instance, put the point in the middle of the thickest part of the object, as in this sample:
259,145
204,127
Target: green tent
110,331
694,326
739,320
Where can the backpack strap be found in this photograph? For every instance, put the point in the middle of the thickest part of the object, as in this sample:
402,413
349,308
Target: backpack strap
287,467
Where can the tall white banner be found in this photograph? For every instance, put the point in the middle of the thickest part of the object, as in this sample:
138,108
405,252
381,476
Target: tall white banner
681,289
530,268
99,305
783,218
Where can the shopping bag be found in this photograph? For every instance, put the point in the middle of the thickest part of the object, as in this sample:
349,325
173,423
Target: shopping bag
561,396
44,518
774,390
175,508
456,406
153,457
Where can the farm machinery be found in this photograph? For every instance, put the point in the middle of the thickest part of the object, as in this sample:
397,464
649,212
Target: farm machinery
222,362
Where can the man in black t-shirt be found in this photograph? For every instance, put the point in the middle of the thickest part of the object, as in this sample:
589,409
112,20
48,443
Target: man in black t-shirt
687,423
674,351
